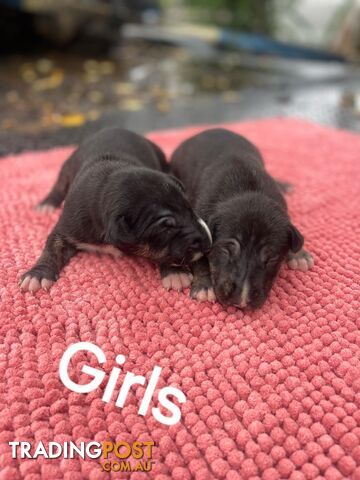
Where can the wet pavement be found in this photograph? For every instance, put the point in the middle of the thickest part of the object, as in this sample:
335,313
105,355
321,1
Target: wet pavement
56,98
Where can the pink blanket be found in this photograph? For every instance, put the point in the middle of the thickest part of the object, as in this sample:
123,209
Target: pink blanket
273,394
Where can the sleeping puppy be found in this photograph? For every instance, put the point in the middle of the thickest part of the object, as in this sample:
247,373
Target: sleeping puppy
242,204
119,198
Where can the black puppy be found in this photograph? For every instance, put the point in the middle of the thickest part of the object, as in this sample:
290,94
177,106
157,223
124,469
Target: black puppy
242,204
119,198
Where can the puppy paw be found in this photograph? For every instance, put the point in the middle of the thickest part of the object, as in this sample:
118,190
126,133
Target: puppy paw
35,280
177,281
203,294
302,261
45,208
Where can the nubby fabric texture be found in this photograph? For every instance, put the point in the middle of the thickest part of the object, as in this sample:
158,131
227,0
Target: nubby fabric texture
272,394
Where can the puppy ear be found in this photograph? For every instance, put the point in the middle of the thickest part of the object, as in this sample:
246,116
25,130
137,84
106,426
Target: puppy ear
296,240
167,221
118,231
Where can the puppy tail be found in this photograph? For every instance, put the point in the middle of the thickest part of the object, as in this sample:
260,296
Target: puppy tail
59,191
284,187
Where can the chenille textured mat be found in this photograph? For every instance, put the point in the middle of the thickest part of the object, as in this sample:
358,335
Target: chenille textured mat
272,394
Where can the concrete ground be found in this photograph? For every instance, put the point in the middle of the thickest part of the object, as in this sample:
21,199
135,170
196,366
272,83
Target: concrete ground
55,98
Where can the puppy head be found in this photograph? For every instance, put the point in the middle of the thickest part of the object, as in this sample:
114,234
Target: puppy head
151,217
252,236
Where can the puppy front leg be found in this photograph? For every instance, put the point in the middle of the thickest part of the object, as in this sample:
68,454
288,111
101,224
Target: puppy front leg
56,254
201,289
175,278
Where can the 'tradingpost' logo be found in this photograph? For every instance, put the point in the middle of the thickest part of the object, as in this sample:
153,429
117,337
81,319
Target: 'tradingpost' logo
117,456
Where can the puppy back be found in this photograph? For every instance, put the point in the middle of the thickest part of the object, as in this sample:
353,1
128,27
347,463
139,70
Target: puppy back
118,143
218,164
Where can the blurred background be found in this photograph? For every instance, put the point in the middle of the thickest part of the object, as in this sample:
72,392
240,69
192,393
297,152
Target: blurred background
68,68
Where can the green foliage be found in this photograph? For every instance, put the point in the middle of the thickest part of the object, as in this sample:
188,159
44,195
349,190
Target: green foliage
250,15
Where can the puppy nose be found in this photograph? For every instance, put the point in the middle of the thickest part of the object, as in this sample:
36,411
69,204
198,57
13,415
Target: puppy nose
196,244
226,289
195,251
201,244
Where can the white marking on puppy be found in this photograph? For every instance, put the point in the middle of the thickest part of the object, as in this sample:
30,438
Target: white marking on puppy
107,249
205,295
244,297
302,261
46,284
45,208
177,281
206,228
196,256
33,284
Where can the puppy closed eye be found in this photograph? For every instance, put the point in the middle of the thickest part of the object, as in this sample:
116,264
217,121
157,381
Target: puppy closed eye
229,248
166,222
268,258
